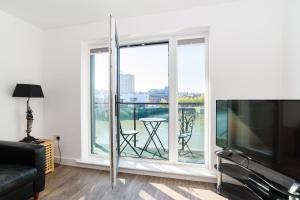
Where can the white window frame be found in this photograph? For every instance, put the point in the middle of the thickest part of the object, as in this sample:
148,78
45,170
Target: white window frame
89,154
173,104
206,99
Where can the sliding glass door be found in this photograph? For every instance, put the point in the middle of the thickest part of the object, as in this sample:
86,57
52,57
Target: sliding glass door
144,108
134,88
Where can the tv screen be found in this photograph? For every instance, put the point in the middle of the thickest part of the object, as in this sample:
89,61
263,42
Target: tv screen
268,131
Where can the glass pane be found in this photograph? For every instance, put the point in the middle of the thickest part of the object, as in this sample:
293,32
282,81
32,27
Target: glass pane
144,108
99,61
191,55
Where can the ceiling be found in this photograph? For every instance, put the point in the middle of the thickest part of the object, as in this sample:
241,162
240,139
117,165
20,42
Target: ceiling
58,13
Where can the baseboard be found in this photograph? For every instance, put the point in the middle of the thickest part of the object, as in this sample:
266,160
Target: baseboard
73,162
76,163
169,175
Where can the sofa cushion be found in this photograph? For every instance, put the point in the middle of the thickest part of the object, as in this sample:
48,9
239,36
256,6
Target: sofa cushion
13,176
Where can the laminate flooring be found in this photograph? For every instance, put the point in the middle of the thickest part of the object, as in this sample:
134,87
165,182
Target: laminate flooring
73,183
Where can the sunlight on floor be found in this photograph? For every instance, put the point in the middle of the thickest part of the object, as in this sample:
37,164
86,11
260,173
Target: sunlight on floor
145,196
122,180
92,188
92,184
184,189
168,191
206,193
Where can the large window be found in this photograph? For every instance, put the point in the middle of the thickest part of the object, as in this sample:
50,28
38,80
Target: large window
191,55
146,80
99,62
144,100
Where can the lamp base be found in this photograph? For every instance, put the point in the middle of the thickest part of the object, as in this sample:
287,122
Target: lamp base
30,139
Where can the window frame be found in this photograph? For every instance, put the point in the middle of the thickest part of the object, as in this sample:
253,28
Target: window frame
207,120
154,42
90,121
172,39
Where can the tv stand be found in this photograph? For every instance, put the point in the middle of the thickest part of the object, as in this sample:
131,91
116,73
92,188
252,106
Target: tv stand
294,189
257,181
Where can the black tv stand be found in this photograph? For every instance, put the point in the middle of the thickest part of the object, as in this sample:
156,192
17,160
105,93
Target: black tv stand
257,181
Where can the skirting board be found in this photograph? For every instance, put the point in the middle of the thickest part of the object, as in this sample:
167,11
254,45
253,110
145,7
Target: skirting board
75,163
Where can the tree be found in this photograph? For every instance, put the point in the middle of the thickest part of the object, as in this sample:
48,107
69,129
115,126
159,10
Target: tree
199,99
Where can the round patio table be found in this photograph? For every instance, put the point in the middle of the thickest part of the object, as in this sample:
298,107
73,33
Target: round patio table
152,125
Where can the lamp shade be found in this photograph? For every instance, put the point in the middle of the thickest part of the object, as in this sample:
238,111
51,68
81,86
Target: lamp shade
28,90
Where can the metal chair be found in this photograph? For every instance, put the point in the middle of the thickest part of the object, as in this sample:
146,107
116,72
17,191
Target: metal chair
187,118
127,137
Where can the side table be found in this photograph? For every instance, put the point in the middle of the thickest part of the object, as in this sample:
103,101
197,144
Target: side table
49,154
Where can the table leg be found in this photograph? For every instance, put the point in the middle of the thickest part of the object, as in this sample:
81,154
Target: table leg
154,132
134,140
148,140
158,124
151,134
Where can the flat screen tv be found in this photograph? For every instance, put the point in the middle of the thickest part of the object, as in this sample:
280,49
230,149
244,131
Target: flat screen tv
267,131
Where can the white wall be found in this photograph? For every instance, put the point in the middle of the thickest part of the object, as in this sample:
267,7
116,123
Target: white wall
245,58
21,54
291,67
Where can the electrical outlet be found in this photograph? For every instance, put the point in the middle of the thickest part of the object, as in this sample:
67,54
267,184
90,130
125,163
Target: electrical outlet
56,137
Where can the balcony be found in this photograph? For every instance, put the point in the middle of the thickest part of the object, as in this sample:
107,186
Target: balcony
190,149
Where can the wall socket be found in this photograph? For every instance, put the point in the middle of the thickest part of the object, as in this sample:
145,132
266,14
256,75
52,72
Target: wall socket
56,137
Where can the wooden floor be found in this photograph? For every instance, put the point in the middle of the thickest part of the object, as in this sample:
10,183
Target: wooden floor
71,183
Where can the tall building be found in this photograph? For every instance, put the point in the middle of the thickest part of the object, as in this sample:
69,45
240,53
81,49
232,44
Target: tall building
126,83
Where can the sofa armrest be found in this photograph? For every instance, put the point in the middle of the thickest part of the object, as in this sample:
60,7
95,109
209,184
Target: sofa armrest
25,154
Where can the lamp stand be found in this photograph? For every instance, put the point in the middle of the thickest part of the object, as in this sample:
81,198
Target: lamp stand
29,117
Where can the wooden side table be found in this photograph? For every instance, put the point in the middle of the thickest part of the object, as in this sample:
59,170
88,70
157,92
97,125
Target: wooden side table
49,154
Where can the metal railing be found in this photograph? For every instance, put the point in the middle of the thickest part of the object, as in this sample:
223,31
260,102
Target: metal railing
136,104
137,110
135,117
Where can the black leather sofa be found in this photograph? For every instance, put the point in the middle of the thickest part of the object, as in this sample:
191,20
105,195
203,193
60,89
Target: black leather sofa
22,170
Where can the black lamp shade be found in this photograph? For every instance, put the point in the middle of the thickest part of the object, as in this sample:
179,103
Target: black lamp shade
28,90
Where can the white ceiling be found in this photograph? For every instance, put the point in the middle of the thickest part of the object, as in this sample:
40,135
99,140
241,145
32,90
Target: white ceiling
58,13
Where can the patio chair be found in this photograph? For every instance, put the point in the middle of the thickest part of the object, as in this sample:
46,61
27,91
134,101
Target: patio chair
187,118
127,137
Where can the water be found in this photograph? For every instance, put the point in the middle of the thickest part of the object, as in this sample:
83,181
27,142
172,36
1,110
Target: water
196,143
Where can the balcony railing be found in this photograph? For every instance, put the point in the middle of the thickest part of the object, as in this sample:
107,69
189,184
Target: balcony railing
131,112
142,110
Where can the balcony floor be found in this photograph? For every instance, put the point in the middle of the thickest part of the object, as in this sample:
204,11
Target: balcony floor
196,157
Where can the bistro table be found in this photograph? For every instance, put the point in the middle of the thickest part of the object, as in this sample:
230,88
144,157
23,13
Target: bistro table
152,125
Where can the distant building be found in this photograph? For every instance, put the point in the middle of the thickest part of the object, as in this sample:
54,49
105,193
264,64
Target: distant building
127,84
189,95
135,97
101,96
159,95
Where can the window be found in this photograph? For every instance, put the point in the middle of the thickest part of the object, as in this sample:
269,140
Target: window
99,64
144,95
145,84
191,55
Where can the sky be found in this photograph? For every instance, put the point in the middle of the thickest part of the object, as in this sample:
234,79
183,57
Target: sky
191,68
149,65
